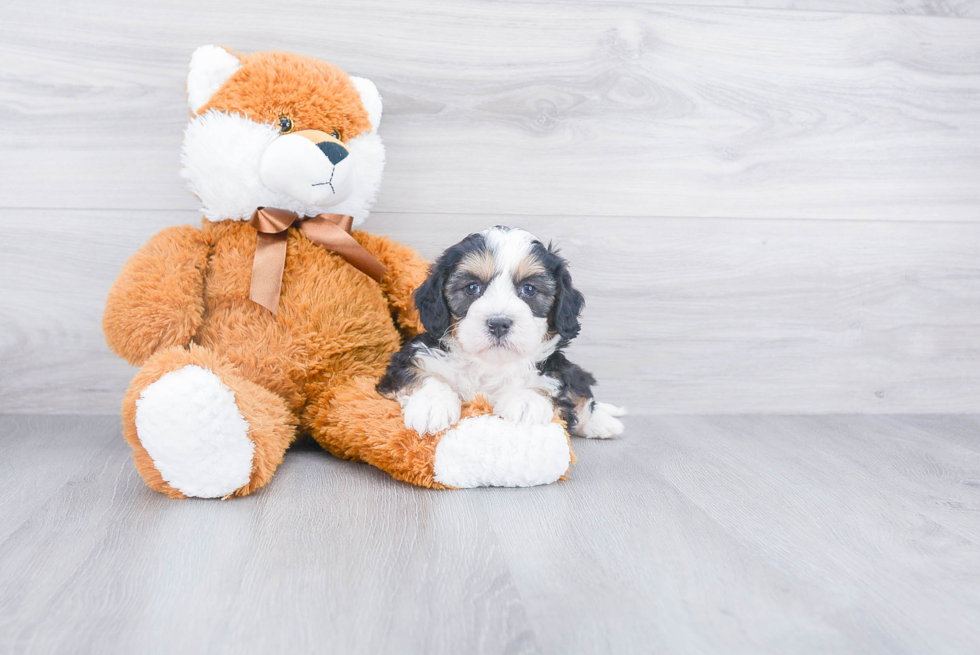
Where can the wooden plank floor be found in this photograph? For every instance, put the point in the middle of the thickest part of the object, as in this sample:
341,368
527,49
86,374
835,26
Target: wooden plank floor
724,534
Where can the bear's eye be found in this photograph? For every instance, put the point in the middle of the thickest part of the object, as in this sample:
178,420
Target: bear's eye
336,135
285,124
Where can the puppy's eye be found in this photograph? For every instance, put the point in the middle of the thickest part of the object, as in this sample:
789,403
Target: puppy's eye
472,289
336,135
528,290
285,124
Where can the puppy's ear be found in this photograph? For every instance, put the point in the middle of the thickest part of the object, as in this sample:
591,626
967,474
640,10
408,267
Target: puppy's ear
569,301
431,303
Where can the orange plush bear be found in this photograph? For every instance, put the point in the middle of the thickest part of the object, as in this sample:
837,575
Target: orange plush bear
274,318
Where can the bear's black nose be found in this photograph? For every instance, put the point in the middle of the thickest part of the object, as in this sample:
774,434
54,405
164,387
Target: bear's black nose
498,325
334,151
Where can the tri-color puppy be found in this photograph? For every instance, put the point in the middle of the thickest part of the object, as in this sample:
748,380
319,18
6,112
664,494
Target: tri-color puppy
498,308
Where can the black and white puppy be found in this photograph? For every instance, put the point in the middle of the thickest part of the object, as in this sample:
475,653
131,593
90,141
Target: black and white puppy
498,308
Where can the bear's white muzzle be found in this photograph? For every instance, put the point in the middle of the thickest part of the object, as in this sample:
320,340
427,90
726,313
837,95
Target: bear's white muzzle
310,166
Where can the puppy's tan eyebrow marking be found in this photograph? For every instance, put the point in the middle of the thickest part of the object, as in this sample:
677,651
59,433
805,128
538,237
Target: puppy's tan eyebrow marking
479,264
528,266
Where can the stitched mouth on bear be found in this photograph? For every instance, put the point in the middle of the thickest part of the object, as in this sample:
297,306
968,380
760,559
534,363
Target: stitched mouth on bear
329,182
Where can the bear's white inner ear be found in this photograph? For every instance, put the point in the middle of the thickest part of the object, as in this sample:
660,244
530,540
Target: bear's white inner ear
370,98
210,68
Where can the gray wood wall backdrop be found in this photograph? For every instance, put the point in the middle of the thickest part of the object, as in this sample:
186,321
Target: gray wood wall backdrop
772,205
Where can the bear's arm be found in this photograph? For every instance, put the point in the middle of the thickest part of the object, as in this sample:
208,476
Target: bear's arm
406,271
158,299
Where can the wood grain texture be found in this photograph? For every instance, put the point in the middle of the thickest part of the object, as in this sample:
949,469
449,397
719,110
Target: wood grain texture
682,315
772,205
828,519
834,534
938,8
571,108
40,456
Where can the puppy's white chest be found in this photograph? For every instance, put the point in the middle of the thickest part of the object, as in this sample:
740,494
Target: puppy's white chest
470,377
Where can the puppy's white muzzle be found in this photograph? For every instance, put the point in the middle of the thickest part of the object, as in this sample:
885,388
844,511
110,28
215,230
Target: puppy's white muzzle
310,166
482,331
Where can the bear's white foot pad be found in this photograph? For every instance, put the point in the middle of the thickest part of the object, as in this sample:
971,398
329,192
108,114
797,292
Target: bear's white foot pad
487,451
190,425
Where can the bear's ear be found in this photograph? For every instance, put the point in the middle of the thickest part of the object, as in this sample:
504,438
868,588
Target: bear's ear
370,98
210,68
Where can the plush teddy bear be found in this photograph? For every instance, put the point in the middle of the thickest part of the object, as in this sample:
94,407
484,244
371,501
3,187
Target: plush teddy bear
274,318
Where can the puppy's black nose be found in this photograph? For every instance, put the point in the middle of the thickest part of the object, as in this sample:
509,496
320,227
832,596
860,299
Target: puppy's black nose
498,325
335,152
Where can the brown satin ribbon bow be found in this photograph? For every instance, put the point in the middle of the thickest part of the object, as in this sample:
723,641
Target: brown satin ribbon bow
330,231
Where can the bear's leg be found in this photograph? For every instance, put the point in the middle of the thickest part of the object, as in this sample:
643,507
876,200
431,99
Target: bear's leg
482,450
199,429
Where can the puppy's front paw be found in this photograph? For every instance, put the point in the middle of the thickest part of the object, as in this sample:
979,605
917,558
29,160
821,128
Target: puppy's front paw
602,423
432,408
524,406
